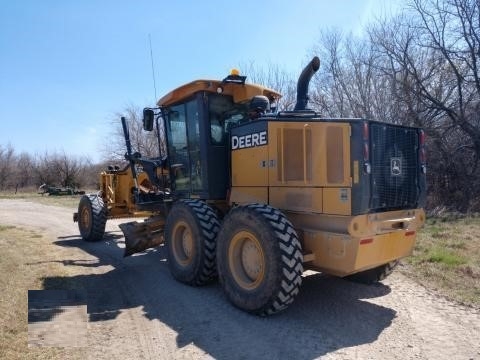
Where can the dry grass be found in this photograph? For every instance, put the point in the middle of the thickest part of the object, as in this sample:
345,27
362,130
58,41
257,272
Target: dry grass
447,258
21,270
69,201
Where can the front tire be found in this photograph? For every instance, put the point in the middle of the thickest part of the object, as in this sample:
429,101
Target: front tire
259,259
190,234
92,217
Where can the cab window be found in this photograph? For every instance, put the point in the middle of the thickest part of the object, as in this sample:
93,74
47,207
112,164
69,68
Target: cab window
223,114
184,146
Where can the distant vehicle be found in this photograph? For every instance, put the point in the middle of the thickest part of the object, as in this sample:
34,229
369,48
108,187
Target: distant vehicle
54,190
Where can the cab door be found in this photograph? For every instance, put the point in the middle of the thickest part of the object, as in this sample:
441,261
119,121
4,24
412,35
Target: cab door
183,134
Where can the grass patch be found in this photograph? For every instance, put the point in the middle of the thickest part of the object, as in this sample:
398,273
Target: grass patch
68,201
6,227
20,271
447,258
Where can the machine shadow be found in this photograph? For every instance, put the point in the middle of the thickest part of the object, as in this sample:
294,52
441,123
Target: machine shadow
329,313
44,305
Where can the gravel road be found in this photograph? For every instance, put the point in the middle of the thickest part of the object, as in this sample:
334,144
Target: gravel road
137,311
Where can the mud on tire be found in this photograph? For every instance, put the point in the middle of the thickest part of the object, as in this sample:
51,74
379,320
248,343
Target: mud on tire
190,234
92,217
374,275
259,259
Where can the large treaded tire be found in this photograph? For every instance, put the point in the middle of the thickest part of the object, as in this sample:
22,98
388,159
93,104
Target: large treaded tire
259,259
374,275
190,234
92,217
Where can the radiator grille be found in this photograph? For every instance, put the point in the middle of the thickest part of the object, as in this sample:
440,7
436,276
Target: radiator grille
394,167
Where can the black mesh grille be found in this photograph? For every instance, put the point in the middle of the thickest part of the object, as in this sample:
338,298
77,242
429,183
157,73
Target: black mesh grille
394,166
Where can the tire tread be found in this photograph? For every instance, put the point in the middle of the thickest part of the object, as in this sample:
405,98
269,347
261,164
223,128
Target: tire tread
99,217
289,277
209,227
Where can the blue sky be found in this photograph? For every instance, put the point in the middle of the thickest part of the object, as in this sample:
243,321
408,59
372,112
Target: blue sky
67,66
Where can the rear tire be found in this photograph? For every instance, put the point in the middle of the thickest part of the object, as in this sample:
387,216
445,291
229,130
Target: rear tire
374,275
190,234
92,217
259,259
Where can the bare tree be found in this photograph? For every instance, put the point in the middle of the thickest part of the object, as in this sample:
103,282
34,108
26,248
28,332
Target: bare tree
44,170
7,158
144,142
68,169
60,169
351,82
433,51
276,79
23,173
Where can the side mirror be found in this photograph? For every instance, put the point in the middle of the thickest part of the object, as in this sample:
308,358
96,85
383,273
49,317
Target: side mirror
148,117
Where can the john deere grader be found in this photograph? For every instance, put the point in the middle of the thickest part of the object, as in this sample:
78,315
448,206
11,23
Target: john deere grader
255,197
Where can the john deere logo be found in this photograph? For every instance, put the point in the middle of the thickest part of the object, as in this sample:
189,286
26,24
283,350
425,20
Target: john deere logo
250,140
396,166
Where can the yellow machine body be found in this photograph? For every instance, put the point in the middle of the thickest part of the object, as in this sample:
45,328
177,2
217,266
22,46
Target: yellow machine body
304,170
239,94
116,187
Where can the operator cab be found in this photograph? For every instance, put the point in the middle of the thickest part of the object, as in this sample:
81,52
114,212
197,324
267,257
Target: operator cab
197,143
196,119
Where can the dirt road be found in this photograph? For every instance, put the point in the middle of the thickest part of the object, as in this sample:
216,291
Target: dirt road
137,311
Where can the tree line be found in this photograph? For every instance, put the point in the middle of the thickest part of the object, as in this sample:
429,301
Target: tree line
27,171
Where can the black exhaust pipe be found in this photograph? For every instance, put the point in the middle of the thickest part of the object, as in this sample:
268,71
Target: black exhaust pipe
303,81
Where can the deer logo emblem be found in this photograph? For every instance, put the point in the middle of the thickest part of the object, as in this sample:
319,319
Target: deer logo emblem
396,166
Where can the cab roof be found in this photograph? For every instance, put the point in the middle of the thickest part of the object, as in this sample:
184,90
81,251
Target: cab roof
240,92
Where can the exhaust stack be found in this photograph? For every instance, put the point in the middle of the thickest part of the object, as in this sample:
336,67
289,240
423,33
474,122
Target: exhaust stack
304,81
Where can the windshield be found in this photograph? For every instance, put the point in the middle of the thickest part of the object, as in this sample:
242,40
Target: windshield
224,114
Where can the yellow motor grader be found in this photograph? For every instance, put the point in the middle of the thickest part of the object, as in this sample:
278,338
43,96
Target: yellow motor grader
255,197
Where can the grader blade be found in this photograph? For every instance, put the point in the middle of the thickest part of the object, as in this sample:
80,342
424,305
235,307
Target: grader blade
140,236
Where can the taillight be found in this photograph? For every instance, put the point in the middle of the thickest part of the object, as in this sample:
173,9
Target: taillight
422,138
366,241
365,131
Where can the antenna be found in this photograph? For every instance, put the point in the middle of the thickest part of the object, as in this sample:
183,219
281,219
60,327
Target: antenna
153,69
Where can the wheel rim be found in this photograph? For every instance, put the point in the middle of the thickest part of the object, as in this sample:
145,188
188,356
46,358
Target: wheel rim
85,218
183,244
246,260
